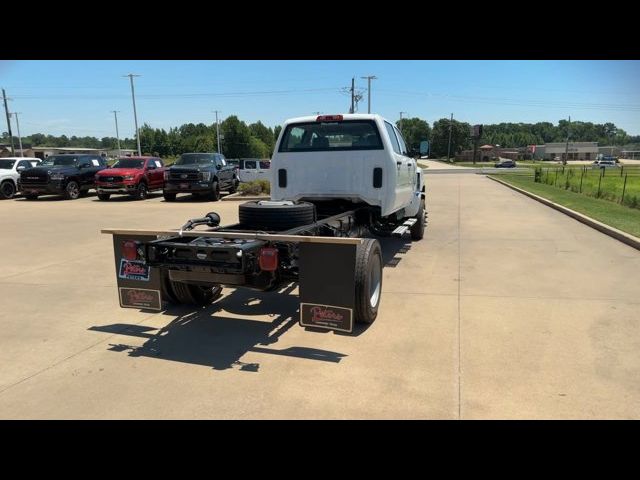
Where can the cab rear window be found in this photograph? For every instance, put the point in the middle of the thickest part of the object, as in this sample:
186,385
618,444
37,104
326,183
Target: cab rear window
331,136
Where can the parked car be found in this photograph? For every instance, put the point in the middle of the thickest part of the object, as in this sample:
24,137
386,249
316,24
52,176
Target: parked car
505,163
199,174
251,169
604,163
134,176
10,169
70,175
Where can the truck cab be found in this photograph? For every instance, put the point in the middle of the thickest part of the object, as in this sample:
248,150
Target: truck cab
359,158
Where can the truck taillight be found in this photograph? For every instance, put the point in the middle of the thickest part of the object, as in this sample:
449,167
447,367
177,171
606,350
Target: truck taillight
329,118
268,259
130,250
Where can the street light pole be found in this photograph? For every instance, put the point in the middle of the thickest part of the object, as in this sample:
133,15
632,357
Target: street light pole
6,111
369,78
135,115
115,115
217,129
401,121
19,137
566,149
449,147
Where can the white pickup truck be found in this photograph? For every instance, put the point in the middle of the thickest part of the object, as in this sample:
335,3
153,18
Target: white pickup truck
10,169
250,169
334,180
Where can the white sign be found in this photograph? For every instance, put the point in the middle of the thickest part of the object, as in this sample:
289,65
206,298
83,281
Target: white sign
95,162
158,164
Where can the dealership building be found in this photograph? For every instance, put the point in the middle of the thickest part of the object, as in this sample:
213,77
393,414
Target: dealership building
575,151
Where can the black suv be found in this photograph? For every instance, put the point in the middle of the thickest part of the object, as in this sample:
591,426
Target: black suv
199,174
69,175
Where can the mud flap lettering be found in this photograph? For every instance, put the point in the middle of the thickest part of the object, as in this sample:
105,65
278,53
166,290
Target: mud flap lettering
140,298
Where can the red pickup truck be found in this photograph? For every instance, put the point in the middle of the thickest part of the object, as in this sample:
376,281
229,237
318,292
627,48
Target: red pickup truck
134,176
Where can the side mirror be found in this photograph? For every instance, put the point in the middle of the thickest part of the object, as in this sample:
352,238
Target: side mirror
218,166
21,168
424,147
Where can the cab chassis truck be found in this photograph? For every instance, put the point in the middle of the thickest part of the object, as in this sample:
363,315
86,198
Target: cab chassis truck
335,179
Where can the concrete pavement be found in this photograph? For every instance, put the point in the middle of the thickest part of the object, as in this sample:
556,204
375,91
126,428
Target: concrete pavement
507,309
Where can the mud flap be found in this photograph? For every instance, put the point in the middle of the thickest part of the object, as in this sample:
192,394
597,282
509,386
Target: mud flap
139,285
327,285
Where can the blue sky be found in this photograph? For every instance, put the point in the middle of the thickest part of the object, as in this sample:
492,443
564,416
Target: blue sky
76,97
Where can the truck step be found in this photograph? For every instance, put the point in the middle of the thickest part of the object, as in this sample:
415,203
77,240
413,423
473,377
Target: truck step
404,228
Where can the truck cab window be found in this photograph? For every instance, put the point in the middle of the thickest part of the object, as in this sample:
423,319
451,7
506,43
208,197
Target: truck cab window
392,137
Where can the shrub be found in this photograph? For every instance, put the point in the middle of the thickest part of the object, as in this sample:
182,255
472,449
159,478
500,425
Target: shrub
537,175
256,187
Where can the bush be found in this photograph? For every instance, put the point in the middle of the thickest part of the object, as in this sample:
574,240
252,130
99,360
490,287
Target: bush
537,175
256,187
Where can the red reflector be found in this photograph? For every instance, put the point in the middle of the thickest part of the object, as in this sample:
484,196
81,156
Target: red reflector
130,250
268,259
329,118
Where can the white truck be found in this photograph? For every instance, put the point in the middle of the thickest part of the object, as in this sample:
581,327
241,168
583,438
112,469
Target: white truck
251,169
335,180
10,169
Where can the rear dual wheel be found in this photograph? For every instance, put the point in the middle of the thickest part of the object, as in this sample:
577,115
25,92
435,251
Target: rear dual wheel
368,280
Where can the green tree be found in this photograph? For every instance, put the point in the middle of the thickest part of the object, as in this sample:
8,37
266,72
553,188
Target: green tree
414,130
236,138
265,134
460,137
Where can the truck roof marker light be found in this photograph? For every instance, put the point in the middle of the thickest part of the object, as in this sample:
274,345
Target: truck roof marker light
329,118
130,250
268,259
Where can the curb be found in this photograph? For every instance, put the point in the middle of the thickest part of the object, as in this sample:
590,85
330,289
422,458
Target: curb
601,227
238,197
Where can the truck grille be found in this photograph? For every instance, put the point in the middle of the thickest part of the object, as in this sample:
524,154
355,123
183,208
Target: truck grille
183,176
34,179
110,179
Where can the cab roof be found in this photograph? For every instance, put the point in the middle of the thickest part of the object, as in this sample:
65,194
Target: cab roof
345,116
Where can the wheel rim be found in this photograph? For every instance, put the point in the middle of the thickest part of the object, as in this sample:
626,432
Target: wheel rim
375,281
143,191
73,190
8,190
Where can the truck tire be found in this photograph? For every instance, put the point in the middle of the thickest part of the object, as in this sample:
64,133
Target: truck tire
194,294
368,280
215,192
72,190
7,189
104,196
169,197
276,217
234,186
417,230
141,192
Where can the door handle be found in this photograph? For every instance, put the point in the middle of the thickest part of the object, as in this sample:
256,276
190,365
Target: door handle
399,163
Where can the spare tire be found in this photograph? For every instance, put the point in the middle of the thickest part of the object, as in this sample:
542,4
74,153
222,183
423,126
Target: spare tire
278,216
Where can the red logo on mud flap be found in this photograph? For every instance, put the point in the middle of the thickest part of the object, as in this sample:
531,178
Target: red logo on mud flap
324,313
133,270
326,316
139,296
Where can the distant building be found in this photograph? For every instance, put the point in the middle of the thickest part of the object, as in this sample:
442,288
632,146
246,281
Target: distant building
575,150
125,152
43,152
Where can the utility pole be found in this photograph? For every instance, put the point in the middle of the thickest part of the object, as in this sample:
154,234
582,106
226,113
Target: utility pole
135,115
6,111
400,128
353,94
449,147
217,128
566,148
115,115
19,137
369,78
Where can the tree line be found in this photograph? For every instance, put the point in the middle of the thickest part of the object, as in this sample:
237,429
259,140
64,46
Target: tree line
239,140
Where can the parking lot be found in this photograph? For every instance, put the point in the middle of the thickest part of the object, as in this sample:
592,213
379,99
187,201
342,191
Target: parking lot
506,309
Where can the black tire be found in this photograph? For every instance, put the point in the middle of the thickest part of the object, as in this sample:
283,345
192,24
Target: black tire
234,186
276,217
84,193
215,192
31,196
142,192
7,189
72,190
169,197
104,196
417,230
194,294
368,280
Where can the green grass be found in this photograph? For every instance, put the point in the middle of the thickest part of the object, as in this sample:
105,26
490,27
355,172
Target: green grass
618,216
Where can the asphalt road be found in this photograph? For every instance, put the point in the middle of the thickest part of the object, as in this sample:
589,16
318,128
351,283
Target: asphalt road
507,309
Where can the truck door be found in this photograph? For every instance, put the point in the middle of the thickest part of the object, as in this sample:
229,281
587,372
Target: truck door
248,174
263,172
410,172
403,188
